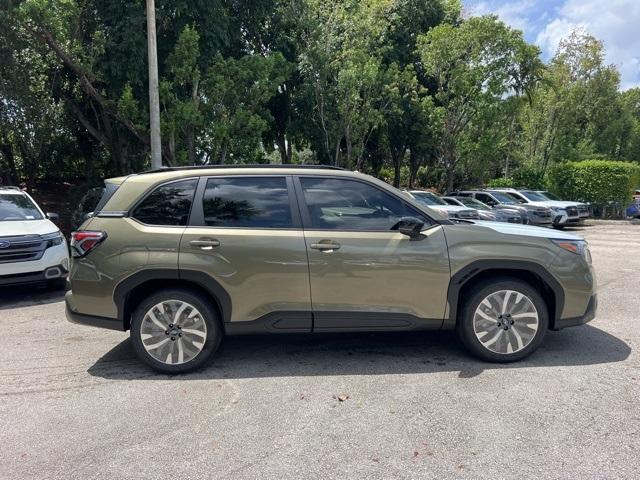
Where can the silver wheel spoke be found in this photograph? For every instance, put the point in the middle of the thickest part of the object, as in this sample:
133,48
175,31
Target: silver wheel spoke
156,345
192,331
154,319
173,345
493,340
514,330
180,351
182,308
514,326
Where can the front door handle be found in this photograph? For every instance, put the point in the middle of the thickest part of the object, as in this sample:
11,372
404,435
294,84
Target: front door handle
327,246
205,243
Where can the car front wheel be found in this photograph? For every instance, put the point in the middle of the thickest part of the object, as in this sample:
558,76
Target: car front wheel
503,321
175,331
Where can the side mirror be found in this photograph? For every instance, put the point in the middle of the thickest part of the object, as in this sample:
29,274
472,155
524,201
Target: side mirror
54,217
409,226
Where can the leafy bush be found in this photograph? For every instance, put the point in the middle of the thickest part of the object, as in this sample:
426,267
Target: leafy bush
522,177
529,177
501,183
595,181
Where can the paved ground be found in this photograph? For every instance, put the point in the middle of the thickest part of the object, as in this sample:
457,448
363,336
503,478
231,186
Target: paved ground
74,403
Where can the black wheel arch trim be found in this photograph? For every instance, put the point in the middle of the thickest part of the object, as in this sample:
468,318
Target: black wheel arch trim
201,279
467,273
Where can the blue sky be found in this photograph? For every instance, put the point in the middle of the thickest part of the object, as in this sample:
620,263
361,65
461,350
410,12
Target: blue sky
545,22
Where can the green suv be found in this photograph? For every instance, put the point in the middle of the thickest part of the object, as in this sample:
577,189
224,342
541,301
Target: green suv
182,257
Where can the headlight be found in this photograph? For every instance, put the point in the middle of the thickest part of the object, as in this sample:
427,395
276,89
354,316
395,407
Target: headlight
579,247
52,239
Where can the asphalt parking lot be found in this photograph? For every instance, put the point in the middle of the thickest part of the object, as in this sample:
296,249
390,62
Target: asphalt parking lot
75,403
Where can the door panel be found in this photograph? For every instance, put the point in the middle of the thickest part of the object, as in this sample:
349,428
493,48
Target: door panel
262,270
364,273
245,233
385,278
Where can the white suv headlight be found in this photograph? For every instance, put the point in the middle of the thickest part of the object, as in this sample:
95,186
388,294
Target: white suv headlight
52,239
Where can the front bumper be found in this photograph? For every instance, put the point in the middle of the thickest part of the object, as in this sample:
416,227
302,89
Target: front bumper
91,320
52,273
589,315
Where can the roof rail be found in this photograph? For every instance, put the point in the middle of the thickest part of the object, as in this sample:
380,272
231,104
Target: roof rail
9,187
244,165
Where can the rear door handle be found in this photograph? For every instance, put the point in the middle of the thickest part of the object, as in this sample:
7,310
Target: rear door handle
205,244
325,246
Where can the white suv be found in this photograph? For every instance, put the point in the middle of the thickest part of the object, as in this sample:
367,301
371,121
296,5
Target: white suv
565,213
32,248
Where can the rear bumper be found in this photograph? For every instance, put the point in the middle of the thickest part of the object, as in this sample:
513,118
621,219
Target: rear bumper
52,273
90,320
589,315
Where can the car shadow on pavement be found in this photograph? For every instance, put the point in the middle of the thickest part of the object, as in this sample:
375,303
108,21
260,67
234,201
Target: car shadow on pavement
366,354
27,295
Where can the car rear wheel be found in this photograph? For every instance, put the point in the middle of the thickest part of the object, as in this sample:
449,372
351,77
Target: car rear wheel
175,331
503,321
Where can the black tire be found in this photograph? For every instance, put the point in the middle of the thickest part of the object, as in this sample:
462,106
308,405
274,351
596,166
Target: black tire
475,297
559,227
214,331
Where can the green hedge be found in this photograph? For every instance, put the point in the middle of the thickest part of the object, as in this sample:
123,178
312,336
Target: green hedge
595,181
527,177
500,183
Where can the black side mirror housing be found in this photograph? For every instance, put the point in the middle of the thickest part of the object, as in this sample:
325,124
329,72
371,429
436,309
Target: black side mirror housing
410,226
54,217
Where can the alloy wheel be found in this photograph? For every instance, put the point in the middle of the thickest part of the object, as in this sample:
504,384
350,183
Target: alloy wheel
173,332
506,321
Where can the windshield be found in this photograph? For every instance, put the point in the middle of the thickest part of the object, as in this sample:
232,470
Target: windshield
550,195
17,207
427,198
534,196
505,198
473,203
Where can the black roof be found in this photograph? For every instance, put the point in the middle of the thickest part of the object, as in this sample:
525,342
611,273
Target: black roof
247,165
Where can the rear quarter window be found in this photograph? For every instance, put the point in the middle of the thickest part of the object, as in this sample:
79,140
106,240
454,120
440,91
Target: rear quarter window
168,204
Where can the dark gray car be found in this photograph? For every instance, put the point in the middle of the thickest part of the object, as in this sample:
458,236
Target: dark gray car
485,212
533,215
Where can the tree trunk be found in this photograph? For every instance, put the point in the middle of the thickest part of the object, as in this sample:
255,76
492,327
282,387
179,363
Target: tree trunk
414,165
396,173
289,151
450,179
282,149
223,152
10,176
191,145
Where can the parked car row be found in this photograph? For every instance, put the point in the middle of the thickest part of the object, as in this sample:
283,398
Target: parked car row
532,207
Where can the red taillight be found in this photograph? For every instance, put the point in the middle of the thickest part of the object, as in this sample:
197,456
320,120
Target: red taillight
83,241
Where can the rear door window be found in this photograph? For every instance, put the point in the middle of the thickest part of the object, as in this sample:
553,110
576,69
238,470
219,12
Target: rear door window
168,204
247,202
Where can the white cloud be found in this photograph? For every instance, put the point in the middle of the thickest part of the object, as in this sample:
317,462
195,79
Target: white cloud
615,22
512,13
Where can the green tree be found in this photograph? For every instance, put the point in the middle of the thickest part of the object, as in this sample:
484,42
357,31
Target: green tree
343,76
577,111
474,66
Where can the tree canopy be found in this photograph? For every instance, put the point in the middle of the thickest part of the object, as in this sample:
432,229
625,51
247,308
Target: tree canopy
409,90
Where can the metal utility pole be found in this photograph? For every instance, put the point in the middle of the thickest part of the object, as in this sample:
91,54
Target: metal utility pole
154,96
